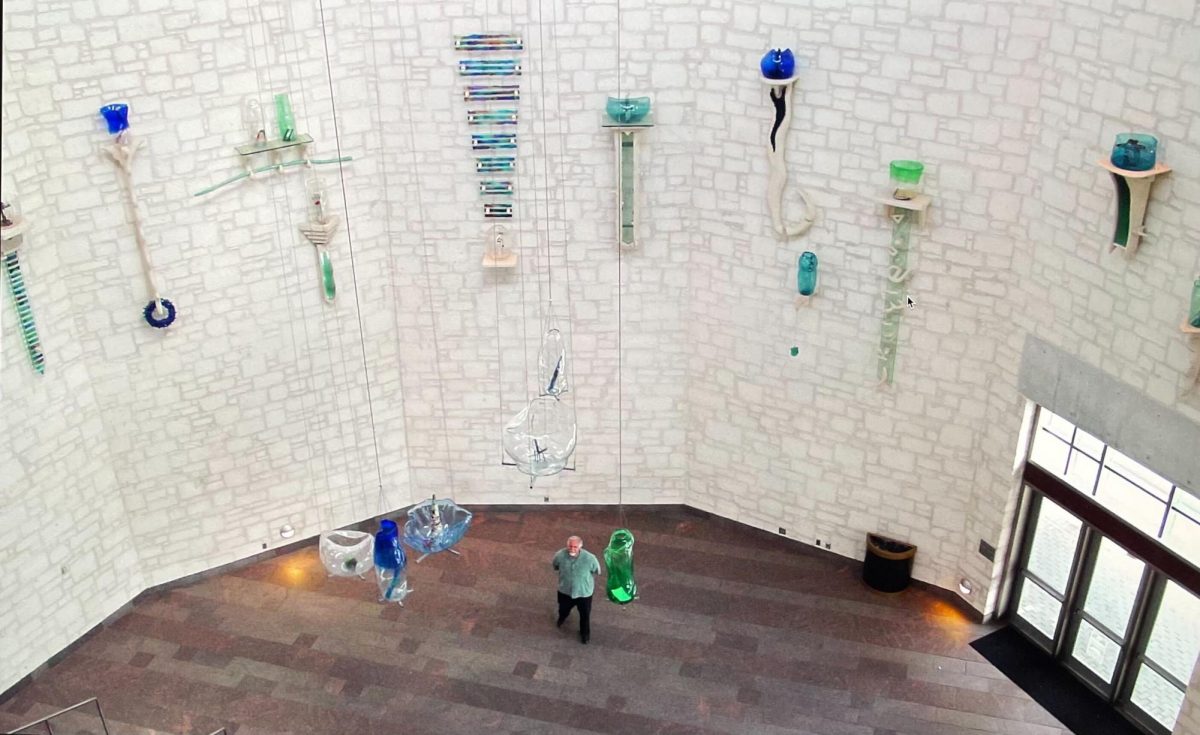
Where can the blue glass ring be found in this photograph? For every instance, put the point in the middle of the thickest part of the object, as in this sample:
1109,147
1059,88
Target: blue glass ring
155,321
117,117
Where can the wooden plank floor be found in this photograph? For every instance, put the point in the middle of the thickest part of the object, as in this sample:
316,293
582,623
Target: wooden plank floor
736,631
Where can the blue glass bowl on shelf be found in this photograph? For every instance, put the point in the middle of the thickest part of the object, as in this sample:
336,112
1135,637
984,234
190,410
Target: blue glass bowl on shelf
778,64
1134,151
435,525
627,109
117,117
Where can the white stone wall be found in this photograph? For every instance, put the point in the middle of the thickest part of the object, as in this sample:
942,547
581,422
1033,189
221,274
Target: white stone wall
264,406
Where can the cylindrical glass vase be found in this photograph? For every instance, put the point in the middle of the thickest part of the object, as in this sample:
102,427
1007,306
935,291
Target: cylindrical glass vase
284,117
906,178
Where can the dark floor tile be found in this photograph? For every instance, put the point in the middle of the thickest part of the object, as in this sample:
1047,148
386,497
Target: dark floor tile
141,659
525,669
305,640
746,695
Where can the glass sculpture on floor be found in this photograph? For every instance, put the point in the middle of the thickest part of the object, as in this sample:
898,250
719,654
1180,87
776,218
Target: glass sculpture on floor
806,273
618,559
541,437
390,563
347,553
436,525
552,362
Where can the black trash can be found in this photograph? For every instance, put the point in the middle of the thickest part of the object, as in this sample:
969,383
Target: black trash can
888,564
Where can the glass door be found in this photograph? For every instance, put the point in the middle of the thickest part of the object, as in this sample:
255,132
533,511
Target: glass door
1048,560
1111,581
1162,667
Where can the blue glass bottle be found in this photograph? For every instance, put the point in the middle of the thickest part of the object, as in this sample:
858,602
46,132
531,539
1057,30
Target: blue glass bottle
116,116
390,562
778,64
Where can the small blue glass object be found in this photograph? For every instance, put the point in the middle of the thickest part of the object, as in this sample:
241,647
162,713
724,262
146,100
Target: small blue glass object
806,274
1134,151
388,552
778,64
117,117
627,109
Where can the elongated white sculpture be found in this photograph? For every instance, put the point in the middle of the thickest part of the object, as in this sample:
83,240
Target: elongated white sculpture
780,79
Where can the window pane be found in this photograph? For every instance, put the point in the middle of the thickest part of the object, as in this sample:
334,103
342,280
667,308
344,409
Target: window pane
1182,534
1096,651
1049,453
1038,608
1081,472
1054,539
1088,443
1055,424
1175,639
1157,697
1137,473
1138,508
1113,587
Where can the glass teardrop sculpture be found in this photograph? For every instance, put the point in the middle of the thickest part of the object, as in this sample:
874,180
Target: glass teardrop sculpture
552,364
541,437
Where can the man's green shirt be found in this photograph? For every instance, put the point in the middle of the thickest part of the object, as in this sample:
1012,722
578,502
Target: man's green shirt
575,575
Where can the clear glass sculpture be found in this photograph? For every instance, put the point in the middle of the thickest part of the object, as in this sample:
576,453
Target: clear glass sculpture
1194,311
116,116
778,64
552,363
390,564
618,559
347,553
906,178
806,273
1134,151
435,525
252,118
541,437
627,109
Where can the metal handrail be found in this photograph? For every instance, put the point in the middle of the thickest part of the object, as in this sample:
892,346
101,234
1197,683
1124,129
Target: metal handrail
46,720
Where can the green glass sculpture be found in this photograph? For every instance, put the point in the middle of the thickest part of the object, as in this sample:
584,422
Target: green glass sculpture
328,287
1194,311
618,558
284,117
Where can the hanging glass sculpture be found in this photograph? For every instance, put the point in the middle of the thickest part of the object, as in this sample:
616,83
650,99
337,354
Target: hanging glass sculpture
390,563
806,274
1194,311
541,438
552,363
347,553
618,559
436,525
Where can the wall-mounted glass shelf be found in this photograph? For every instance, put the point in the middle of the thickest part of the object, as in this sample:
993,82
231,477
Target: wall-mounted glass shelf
270,146
607,122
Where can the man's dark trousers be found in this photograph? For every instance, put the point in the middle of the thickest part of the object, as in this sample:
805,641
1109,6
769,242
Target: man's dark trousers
585,613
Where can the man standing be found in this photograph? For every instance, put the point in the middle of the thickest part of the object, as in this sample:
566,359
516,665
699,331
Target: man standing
576,568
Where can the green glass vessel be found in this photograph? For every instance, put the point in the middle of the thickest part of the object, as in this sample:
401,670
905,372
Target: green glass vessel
618,558
284,117
328,287
1194,311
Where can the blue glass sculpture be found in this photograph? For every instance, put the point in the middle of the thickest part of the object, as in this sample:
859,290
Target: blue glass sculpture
806,273
627,109
778,64
436,525
1134,151
117,117
390,563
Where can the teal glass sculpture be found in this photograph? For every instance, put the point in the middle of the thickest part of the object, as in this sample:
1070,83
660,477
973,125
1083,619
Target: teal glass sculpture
284,117
1134,151
627,109
1194,311
16,283
618,559
806,273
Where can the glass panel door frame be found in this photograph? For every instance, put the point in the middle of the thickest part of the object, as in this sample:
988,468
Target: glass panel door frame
1052,645
1145,618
